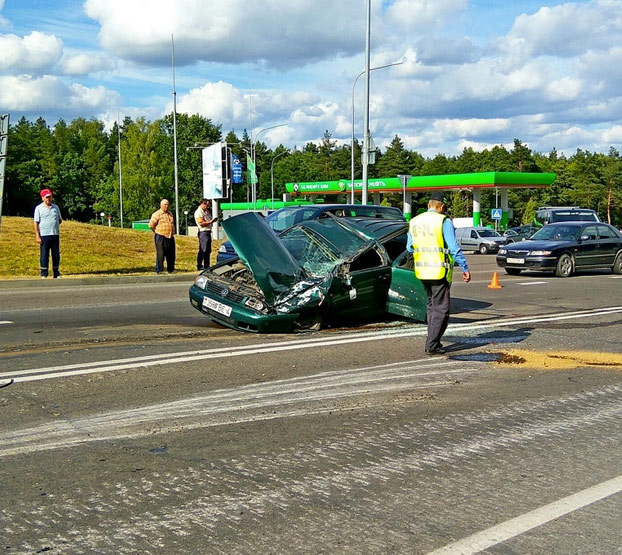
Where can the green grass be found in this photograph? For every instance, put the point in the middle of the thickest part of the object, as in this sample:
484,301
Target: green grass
88,249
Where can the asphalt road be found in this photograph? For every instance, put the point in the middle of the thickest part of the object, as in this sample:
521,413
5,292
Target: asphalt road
134,425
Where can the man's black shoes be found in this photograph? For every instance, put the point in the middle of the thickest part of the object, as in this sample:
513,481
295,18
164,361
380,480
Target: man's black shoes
435,352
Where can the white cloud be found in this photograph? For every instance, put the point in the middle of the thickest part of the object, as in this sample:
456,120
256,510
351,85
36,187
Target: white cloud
86,63
279,33
42,94
220,102
421,15
36,52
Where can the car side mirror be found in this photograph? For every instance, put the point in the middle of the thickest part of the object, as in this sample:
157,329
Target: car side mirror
585,237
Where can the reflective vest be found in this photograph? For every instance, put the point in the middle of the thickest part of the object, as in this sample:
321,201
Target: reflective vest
431,257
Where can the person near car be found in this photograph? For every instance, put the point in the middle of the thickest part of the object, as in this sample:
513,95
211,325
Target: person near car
432,240
47,233
204,223
162,224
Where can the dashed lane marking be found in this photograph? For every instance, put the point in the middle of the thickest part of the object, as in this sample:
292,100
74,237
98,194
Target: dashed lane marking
5,322
533,283
523,523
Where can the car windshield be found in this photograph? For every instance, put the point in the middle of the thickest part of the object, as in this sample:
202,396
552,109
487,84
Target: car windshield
286,217
557,233
488,233
573,216
314,254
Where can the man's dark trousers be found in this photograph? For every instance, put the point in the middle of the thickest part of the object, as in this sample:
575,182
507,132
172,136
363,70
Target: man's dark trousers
165,248
438,304
50,243
205,249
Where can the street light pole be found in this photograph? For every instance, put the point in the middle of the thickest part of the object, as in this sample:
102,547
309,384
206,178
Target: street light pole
366,124
272,176
352,147
175,139
253,152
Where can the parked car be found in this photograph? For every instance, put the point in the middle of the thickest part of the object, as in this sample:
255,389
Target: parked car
564,248
319,271
552,214
479,239
281,219
514,234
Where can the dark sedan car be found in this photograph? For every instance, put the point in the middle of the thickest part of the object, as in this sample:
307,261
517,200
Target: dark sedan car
565,247
330,269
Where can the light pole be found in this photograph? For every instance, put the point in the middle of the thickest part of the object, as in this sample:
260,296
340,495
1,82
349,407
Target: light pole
102,214
352,148
175,138
186,214
366,124
272,176
253,152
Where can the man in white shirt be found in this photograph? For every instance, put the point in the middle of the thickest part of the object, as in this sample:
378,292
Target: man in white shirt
204,223
47,232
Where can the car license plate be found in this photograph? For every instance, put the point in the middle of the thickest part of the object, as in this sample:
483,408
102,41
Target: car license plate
216,306
516,260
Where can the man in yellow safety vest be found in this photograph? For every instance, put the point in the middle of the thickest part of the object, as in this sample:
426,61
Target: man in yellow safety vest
432,240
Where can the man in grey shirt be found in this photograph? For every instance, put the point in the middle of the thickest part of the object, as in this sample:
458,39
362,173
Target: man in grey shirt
47,232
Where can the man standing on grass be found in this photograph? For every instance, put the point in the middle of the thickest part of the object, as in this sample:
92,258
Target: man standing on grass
47,232
204,223
162,224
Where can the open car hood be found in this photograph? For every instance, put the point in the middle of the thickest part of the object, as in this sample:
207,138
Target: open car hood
275,270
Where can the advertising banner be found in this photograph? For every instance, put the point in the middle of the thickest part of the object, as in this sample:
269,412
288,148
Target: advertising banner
212,171
236,169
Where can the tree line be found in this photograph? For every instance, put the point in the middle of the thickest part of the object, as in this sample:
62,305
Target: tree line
79,161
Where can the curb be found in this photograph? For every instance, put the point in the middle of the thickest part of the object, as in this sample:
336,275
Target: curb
70,281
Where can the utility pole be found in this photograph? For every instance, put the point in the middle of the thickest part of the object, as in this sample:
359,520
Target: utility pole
366,124
175,140
120,172
4,140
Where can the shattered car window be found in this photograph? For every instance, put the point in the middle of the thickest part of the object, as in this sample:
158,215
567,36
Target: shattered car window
310,251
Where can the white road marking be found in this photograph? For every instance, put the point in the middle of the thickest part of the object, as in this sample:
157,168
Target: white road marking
533,283
286,398
615,277
523,523
36,374
5,322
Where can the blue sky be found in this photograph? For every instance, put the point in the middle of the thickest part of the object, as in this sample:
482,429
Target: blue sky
474,73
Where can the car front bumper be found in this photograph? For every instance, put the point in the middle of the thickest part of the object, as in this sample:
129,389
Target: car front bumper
543,263
240,317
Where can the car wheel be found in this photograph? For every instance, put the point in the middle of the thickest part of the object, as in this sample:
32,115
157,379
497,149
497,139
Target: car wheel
564,266
483,249
617,265
308,322
513,271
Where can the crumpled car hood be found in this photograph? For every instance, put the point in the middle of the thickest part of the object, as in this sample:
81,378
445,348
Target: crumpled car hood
275,270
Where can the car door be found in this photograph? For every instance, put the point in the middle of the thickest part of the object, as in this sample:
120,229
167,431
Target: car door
406,296
589,253
608,244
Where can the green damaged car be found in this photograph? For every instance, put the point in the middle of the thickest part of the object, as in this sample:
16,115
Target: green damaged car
332,270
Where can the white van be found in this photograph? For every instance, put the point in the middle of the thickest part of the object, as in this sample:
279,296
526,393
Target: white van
479,239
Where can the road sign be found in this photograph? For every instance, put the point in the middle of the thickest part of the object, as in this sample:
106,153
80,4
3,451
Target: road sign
496,213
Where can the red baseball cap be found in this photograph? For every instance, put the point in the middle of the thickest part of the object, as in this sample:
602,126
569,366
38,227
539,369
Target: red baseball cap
45,193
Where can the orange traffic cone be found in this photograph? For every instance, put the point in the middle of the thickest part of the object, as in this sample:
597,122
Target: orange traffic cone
494,282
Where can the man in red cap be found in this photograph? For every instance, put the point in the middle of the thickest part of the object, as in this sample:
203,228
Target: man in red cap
47,233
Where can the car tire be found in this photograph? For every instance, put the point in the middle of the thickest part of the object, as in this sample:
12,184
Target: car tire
564,266
617,264
483,249
308,322
513,271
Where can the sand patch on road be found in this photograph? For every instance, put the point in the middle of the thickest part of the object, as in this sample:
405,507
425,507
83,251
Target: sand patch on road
560,360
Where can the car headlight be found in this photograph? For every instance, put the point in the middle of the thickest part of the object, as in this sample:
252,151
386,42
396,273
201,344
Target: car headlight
222,248
503,251
200,282
540,253
255,304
